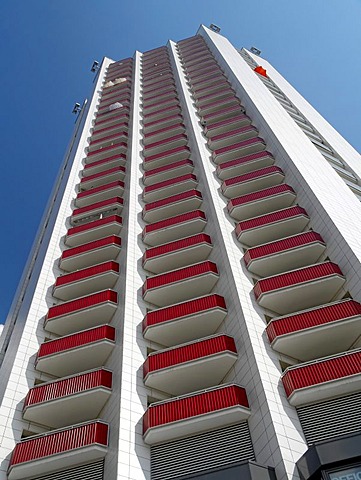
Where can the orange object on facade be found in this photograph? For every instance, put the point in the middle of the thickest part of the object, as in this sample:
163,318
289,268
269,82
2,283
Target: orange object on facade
261,71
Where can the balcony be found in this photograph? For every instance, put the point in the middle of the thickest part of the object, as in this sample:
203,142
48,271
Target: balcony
220,104
93,231
171,109
302,335
223,114
232,152
92,253
117,148
300,289
58,450
272,226
120,117
99,194
286,254
169,92
323,378
168,172
217,129
104,132
174,228
152,107
77,315
158,191
165,158
102,165
86,281
186,368
168,143
186,321
76,353
243,165
158,89
217,84
123,96
216,94
180,285
175,205
206,75
107,141
197,58
261,202
232,136
167,121
159,81
163,133
251,182
113,110
70,400
113,206
195,413
177,254
101,178
200,66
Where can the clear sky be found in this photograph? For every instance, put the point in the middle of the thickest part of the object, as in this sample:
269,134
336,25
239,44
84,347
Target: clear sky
48,46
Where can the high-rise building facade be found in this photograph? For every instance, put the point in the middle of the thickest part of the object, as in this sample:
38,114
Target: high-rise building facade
190,308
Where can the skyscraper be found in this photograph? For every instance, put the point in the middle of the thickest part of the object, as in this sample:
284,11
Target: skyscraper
190,308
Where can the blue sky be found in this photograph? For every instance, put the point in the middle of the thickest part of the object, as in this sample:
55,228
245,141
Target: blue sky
48,46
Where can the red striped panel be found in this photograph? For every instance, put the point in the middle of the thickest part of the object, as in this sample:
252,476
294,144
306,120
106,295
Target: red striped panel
97,205
102,174
179,275
282,245
184,309
104,161
321,371
174,198
180,136
102,188
237,145
68,342
165,168
295,277
262,172
177,245
105,149
269,218
171,181
186,353
95,224
87,273
312,318
242,160
82,303
190,406
122,115
87,247
69,386
252,197
60,441
109,137
164,120
168,222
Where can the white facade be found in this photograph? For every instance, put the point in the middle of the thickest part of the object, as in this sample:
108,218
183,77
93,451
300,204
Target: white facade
275,423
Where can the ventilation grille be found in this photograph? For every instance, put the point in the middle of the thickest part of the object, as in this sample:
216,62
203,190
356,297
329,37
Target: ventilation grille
91,471
332,418
202,452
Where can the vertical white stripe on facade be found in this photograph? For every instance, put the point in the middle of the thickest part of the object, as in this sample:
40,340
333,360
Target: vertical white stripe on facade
133,455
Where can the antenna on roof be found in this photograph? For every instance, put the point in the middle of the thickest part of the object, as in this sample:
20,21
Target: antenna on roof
214,28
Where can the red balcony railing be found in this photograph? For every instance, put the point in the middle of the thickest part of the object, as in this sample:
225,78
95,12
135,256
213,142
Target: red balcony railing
102,188
272,226
186,353
186,217
112,171
229,403
252,177
99,206
166,157
77,352
170,186
87,247
157,172
49,391
179,138
177,245
244,164
281,246
178,275
95,224
296,277
173,199
121,158
87,273
252,145
323,378
58,449
76,340
82,303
